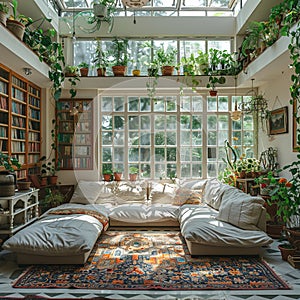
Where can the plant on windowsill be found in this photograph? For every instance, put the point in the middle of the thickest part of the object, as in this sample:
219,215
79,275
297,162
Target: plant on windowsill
133,173
166,60
100,60
119,56
118,174
84,69
107,174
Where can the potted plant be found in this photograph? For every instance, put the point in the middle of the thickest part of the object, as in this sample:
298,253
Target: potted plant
166,60
212,81
71,71
4,8
118,52
107,174
118,174
133,172
103,11
286,249
7,174
83,69
16,23
51,199
100,60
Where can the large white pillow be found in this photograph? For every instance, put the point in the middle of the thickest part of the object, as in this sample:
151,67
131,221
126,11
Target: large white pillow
163,193
86,192
130,191
240,209
213,192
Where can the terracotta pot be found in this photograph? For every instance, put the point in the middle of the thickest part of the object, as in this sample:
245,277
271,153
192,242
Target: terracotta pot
133,177
52,180
119,70
213,93
285,252
16,27
117,176
274,230
84,72
107,177
43,181
167,70
101,72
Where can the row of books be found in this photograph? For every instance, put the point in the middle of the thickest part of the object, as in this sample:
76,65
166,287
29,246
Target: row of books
34,114
34,91
18,134
76,163
65,138
34,147
4,74
3,102
3,145
84,126
18,122
3,132
34,101
20,157
3,117
18,108
82,151
34,136
3,87
17,94
34,125
20,83
82,139
17,146
33,158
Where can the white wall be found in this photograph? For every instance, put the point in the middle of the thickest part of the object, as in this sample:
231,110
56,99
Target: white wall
278,94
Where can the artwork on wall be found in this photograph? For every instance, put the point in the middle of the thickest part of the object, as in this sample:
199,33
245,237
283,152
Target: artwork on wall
278,120
296,128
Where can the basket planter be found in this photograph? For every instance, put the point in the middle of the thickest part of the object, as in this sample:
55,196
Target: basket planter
7,184
23,185
294,236
84,72
286,251
16,28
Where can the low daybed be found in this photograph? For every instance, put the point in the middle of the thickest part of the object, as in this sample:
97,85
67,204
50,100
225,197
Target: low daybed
214,219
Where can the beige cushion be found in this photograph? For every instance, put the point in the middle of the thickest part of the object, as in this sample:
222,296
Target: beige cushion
240,209
162,193
187,196
213,192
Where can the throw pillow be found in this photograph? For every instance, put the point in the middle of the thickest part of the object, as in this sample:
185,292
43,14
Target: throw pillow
187,196
240,209
162,193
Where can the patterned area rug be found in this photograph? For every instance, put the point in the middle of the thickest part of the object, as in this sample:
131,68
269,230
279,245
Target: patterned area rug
152,260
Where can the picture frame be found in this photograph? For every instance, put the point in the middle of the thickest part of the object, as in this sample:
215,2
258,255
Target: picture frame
296,128
278,121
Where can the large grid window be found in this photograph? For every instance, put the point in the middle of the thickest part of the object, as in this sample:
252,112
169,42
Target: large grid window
173,135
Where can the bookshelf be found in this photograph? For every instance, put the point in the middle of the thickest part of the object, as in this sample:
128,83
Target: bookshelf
74,120
20,120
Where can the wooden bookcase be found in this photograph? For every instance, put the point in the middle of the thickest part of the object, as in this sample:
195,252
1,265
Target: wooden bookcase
20,120
74,120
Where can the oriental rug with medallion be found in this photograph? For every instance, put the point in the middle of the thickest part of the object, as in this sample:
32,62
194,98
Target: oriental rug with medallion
157,260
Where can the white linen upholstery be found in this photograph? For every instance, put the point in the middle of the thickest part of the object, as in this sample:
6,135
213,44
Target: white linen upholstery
199,225
141,213
213,192
240,209
87,192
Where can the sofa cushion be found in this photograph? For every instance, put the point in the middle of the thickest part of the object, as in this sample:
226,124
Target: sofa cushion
140,213
213,192
240,209
162,193
130,191
199,225
187,196
86,192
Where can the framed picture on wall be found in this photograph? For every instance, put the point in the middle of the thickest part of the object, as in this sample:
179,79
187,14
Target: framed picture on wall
296,128
278,121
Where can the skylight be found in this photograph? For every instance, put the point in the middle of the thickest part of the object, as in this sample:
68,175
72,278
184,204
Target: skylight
175,6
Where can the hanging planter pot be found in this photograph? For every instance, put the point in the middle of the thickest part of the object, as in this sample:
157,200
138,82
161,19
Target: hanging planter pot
100,10
213,93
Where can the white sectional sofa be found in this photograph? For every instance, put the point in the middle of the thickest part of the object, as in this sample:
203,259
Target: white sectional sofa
214,219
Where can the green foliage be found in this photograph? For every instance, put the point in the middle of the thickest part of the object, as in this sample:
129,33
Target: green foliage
83,64
100,59
133,170
118,52
21,18
166,57
213,80
4,7
8,162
